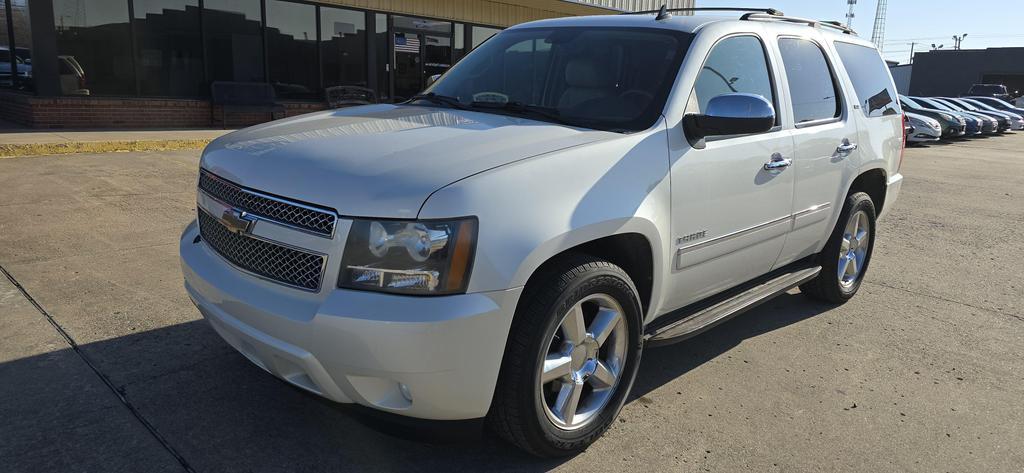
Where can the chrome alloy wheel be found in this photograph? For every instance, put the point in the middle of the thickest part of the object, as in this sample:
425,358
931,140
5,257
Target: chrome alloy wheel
584,361
854,249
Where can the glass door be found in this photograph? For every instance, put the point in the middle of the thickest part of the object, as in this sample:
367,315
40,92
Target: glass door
408,76
437,56
422,48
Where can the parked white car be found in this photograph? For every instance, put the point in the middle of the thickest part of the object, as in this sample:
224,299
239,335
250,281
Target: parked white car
925,128
574,191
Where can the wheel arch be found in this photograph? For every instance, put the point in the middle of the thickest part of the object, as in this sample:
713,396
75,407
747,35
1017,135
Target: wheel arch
635,247
872,182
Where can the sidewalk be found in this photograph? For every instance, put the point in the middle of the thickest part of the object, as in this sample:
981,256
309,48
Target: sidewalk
17,141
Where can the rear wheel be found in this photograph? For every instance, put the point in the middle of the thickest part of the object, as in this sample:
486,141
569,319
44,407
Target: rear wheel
571,359
845,258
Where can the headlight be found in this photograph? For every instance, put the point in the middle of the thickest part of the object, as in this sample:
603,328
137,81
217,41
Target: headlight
409,257
947,117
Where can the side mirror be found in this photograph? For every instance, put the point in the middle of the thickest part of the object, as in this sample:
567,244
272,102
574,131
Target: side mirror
432,79
731,114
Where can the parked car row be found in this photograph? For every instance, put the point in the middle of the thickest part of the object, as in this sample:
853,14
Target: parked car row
936,118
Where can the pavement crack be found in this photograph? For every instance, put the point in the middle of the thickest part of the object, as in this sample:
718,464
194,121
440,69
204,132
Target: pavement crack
103,377
931,296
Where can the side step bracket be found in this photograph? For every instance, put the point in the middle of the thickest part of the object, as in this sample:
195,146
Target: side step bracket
689,325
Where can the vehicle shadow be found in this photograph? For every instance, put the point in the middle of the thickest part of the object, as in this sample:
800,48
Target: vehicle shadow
221,413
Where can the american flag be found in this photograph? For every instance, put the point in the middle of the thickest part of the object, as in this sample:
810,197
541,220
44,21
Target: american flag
407,43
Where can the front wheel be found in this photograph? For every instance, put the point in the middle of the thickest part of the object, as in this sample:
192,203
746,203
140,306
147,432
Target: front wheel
846,255
571,359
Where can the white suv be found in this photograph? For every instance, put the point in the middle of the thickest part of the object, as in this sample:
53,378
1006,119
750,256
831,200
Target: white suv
504,246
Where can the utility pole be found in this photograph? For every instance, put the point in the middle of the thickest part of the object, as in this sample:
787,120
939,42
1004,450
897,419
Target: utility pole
957,40
849,14
912,52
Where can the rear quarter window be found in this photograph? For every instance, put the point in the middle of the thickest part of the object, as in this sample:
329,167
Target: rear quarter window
871,80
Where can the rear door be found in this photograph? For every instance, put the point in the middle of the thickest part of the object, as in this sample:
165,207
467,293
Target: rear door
730,216
825,143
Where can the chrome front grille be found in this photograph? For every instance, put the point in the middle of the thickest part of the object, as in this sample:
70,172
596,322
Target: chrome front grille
302,216
278,263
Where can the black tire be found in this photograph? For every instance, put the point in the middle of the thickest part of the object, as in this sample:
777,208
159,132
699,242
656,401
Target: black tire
826,287
517,413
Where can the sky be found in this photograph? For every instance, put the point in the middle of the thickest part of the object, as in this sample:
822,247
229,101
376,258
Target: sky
992,23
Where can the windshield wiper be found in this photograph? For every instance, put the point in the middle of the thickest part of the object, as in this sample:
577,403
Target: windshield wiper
440,99
520,108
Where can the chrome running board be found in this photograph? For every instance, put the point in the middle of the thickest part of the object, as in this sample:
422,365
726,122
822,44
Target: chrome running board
690,324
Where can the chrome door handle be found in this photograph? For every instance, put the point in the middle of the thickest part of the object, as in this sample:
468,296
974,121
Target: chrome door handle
777,163
846,148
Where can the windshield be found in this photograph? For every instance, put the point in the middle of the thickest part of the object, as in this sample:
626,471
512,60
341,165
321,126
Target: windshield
910,103
964,104
988,89
935,104
981,105
613,79
993,100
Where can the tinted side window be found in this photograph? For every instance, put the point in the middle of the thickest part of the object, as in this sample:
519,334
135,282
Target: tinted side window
735,64
871,79
811,86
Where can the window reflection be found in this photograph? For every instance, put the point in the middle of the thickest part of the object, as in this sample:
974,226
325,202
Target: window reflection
482,33
234,45
381,45
343,46
291,49
93,47
168,56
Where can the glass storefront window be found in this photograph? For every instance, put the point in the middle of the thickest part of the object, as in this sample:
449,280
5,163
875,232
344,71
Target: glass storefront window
234,42
291,49
421,24
481,34
459,42
22,42
343,46
94,49
7,64
381,44
168,55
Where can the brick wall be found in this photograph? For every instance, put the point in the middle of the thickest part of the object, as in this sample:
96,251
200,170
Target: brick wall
108,112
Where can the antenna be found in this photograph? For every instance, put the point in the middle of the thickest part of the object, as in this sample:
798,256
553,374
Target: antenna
878,33
663,14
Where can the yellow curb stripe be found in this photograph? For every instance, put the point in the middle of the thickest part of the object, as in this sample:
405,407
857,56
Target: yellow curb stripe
39,149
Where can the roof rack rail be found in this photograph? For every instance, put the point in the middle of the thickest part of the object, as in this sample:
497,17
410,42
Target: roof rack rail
792,19
665,10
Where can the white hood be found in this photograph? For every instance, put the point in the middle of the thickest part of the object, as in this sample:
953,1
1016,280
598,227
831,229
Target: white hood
380,160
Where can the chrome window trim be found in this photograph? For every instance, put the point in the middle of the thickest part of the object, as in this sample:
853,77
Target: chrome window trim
323,258
334,225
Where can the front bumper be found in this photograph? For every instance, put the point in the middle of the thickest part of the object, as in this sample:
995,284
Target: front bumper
357,346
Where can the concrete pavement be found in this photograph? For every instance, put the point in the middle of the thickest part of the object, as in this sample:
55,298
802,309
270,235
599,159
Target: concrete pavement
922,371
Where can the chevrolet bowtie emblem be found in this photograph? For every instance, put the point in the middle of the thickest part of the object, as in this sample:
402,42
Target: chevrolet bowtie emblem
237,221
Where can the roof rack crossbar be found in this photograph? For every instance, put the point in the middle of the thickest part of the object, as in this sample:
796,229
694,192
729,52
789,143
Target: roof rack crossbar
793,19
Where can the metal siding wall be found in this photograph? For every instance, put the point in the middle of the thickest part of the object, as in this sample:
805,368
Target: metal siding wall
638,5
488,12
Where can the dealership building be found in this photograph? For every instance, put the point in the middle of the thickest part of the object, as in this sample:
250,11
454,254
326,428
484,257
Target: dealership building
945,72
151,63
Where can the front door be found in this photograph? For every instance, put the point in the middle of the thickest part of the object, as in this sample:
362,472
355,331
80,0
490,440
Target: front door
730,216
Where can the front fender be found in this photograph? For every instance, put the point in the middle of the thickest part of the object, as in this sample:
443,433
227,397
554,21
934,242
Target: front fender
534,209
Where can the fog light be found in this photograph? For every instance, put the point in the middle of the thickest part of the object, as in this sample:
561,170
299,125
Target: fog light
405,391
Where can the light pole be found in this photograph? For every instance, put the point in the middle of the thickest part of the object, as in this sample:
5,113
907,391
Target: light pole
957,40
